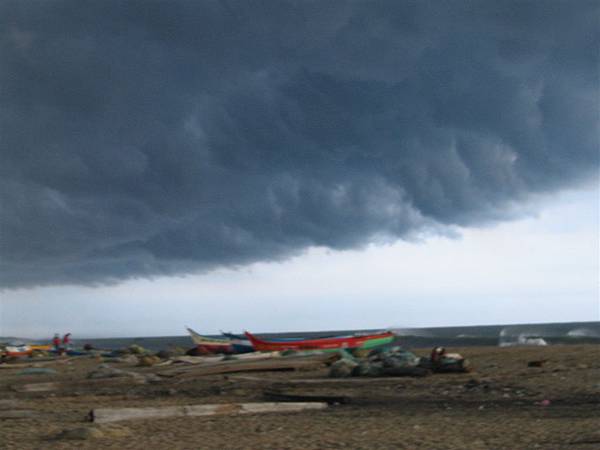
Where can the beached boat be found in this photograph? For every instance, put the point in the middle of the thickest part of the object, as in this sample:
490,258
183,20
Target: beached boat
216,345
41,347
352,341
240,344
245,341
17,349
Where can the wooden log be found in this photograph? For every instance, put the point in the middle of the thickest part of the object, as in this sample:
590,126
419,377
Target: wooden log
197,359
105,415
269,364
36,387
353,380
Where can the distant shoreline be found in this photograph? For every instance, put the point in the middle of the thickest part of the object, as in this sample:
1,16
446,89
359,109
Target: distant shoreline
467,336
547,329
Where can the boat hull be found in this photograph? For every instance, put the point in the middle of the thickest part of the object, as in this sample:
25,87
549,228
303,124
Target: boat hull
365,341
216,345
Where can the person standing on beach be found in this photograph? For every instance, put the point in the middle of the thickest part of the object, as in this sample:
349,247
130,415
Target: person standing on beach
67,341
56,342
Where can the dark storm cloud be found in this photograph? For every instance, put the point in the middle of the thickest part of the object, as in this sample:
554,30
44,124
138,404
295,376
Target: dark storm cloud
141,138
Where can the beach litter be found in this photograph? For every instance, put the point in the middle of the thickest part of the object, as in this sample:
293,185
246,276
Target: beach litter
148,361
342,368
389,361
396,361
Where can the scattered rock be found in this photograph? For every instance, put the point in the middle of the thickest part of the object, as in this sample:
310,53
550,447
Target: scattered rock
137,350
148,361
127,359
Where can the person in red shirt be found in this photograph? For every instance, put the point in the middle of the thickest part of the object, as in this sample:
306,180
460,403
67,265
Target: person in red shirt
56,342
67,341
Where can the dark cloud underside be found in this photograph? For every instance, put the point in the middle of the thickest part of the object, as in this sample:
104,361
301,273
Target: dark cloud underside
140,138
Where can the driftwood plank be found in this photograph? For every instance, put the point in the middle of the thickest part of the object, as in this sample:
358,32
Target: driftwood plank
36,387
353,380
105,415
269,364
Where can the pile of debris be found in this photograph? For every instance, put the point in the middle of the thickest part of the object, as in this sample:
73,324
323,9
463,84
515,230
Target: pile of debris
396,361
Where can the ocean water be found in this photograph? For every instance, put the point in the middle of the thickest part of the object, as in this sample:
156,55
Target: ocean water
487,335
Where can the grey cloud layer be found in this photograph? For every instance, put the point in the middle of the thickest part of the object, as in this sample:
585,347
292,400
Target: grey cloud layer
146,138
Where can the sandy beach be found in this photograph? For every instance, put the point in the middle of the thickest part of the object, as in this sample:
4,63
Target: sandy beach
501,404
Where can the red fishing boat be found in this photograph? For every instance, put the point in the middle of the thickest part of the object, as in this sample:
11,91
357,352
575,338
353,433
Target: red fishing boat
352,341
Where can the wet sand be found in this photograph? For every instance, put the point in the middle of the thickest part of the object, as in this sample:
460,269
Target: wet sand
501,404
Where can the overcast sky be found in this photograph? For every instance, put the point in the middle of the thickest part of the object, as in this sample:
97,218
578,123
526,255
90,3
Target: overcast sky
305,165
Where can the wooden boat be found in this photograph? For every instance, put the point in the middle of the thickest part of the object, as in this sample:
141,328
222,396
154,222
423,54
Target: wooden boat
353,341
210,345
240,344
23,349
245,341
216,345
41,347
17,349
